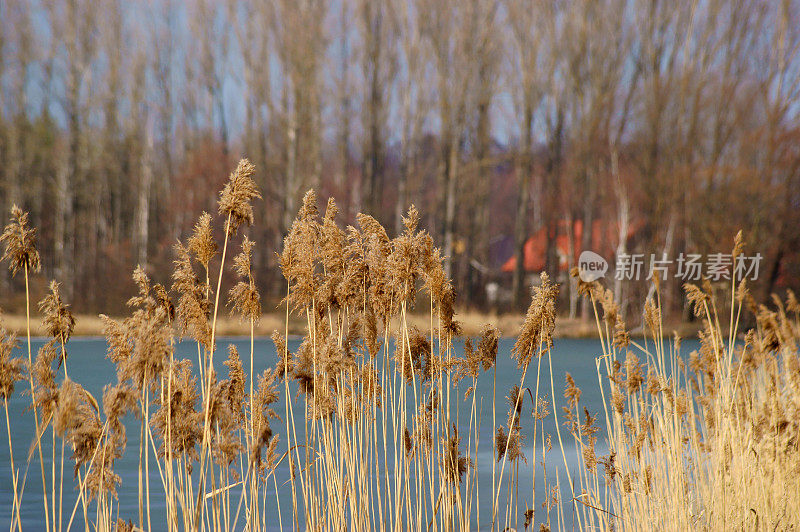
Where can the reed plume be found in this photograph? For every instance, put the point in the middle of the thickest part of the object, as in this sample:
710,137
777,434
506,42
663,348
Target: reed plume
455,464
12,369
176,422
20,243
537,329
58,320
297,260
243,297
237,195
266,395
194,306
201,243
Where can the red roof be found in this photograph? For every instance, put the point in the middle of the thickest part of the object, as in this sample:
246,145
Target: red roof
603,241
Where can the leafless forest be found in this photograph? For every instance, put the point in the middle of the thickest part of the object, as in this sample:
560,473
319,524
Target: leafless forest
673,123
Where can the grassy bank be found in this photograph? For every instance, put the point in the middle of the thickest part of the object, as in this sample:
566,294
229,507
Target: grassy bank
472,324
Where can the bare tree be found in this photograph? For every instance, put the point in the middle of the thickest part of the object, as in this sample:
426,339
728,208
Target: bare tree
676,121
531,70
300,45
378,66
452,35
74,23
414,100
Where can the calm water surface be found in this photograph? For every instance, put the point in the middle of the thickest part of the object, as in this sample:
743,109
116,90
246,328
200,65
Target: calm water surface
89,366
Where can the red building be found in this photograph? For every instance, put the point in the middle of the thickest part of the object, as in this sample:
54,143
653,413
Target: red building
604,240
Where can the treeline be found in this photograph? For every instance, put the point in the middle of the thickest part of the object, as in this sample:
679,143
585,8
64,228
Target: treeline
674,123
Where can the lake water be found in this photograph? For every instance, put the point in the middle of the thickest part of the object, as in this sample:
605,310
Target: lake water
89,366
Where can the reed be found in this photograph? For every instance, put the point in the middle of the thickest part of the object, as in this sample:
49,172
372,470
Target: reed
705,440
11,371
376,423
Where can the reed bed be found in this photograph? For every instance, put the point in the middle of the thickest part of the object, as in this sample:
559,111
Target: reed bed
367,415
704,441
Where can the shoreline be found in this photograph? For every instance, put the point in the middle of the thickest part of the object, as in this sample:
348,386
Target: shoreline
91,326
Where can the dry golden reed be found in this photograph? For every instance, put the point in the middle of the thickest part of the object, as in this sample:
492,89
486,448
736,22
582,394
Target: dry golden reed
706,440
369,423
536,334
20,243
201,243
11,368
243,297
235,198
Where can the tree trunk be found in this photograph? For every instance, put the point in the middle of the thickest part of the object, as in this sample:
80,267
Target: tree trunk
63,203
551,192
524,171
450,205
402,193
588,226
572,283
143,205
291,172
65,181
623,224
373,156
478,245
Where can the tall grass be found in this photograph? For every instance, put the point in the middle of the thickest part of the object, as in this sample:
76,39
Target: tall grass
376,423
707,440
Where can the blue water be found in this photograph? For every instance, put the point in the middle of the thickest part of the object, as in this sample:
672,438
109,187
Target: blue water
89,366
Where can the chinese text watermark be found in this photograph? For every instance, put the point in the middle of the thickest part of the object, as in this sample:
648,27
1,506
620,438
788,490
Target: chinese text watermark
686,266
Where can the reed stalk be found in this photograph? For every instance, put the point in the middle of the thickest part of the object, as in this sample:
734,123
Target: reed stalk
390,439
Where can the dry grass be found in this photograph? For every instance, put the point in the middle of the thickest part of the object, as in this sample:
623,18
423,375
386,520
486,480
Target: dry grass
708,441
89,325
374,417
472,323
379,440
